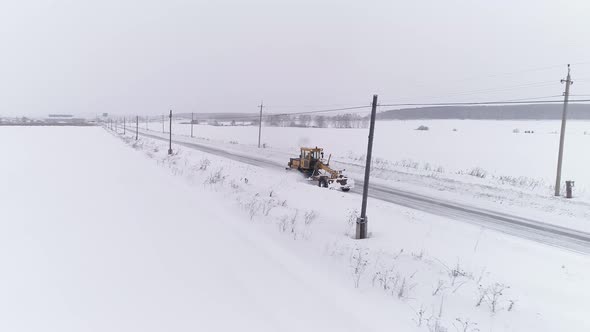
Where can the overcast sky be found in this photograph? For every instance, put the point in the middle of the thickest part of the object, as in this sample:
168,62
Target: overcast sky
145,57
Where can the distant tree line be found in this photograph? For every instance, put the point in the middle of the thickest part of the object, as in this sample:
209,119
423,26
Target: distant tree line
348,120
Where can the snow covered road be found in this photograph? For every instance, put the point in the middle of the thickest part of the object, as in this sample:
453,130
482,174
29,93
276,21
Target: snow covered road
511,224
93,238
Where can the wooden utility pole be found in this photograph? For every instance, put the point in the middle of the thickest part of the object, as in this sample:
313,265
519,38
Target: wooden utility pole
136,127
362,221
192,123
568,81
170,141
260,123
124,128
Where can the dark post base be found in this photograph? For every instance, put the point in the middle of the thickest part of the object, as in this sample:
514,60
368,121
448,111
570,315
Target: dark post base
361,228
569,189
169,151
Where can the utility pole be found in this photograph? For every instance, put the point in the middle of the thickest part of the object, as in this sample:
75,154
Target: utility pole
192,122
147,121
260,123
124,129
568,81
361,222
136,127
170,145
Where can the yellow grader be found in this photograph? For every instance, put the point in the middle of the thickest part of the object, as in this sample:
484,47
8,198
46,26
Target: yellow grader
311,162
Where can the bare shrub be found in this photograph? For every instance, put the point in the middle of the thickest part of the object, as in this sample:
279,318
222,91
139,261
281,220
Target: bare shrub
293,223
234,185
253,207
434,322
283,222
309,217
268,205
456,273
420,316
204,164
440,286
215,177
418,256
407,163
465,325
358,264
478,172
289,223
405,287
520,181
491,295
511,304
137,145
386,279
422,127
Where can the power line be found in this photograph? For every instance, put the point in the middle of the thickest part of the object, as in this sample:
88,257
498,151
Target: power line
531,98
529,70
248,117
307,106
487,103
498,75
484,76
581,63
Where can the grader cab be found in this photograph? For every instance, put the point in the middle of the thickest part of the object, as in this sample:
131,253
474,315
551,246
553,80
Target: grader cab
312,163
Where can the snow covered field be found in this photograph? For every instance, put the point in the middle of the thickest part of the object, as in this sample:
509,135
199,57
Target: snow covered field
434,270
100,237
93,237
489,145
482,163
